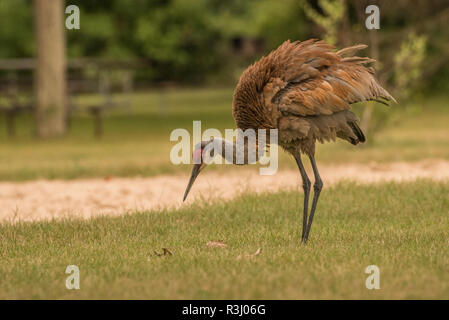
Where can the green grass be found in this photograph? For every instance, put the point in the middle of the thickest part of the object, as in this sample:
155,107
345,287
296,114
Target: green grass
401,228
136,142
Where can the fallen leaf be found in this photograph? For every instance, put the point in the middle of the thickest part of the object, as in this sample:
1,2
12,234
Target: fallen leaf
165,252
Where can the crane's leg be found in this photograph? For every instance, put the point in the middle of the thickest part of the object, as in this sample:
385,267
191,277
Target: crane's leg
306,187
317,186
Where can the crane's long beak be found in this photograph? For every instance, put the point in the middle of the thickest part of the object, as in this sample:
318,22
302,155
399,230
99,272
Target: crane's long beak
195,171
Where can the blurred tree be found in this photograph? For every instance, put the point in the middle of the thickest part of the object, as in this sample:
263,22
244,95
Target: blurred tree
16,29
409,64
192,41
251,28
330,20
179,38
272,21
399,65
50,82
408,69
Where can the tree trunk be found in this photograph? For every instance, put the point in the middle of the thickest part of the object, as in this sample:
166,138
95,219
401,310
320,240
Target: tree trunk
50,78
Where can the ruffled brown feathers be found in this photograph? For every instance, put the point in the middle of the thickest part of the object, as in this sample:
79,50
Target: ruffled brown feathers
305,82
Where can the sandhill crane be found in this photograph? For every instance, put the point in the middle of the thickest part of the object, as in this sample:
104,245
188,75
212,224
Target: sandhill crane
305,90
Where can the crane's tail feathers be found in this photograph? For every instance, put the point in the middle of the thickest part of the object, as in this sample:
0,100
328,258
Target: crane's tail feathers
386,96
357,131
351,50
347,56
359,60
383,102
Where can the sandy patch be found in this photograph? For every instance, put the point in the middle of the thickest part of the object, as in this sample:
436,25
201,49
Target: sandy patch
37,200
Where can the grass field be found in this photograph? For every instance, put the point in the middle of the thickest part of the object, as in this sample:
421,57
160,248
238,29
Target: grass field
401,228
137,142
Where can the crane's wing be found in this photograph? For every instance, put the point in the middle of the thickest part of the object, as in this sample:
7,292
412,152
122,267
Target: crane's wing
303,79
312,79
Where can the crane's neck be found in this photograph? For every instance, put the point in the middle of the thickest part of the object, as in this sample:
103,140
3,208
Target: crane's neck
242,151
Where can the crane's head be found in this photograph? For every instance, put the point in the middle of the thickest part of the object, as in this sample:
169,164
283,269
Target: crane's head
201,151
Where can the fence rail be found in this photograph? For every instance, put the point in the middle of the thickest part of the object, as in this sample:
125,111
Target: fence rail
99,81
